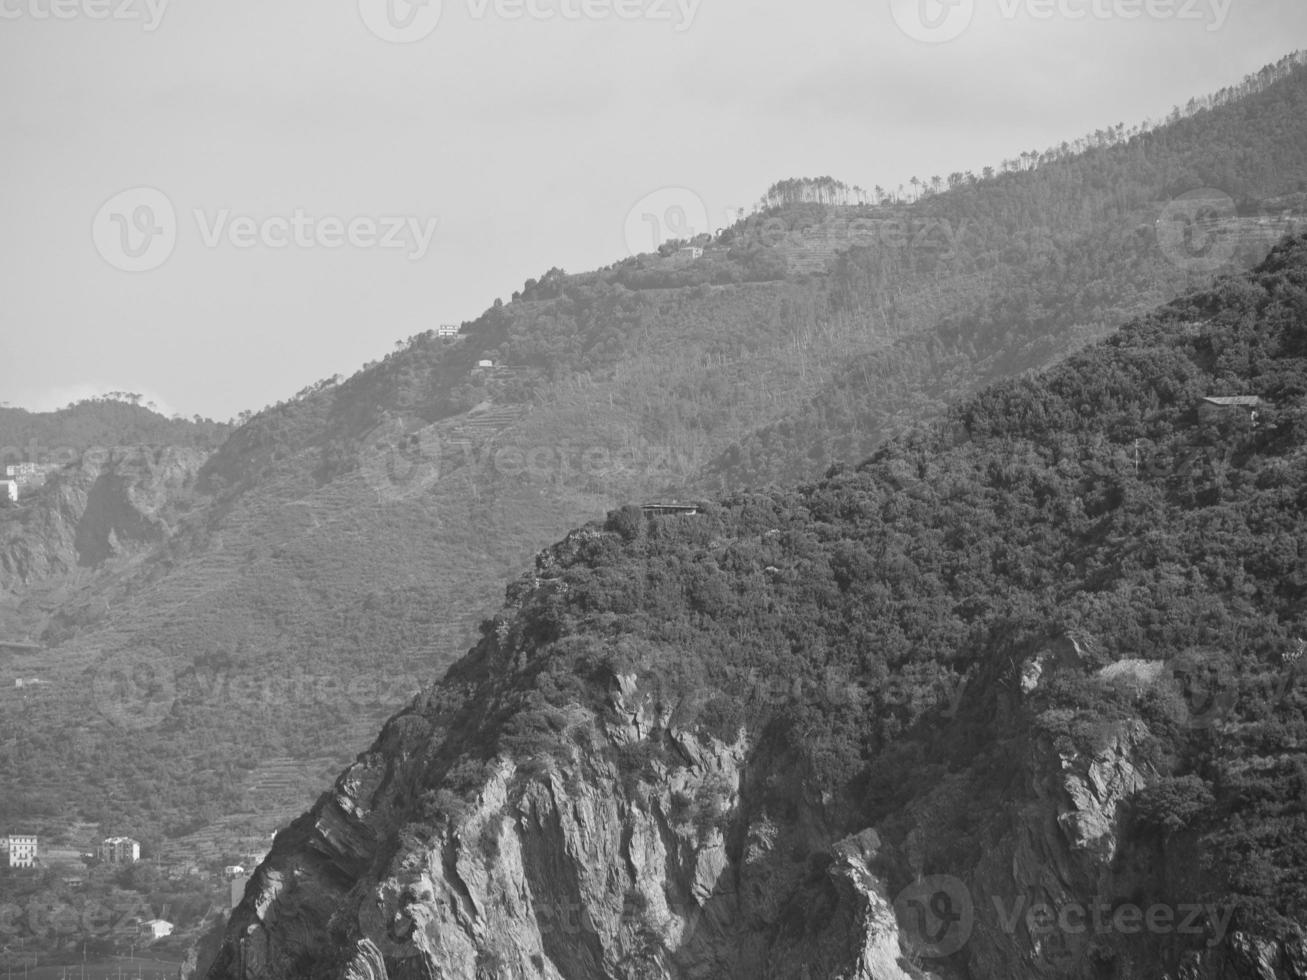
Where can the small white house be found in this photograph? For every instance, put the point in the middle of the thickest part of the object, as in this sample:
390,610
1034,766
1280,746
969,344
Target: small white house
157,928
447,330
10,490
233,870
485,364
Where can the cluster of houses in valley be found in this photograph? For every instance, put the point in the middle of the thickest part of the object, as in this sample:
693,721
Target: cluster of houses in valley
25,851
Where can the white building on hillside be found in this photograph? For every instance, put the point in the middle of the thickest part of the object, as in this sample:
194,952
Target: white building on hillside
22,850
156,928
120,850
29,474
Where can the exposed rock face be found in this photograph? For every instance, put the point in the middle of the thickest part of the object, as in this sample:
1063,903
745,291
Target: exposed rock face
632,848
1062,849
601,861
109,504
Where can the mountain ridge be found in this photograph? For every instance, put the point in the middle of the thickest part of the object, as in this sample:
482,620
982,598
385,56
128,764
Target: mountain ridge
614,783
350,537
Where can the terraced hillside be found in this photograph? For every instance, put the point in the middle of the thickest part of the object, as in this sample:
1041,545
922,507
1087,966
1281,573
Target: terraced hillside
339,550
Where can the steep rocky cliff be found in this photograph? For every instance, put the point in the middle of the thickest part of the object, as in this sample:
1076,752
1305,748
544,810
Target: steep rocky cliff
645,850
109,504
1003,702
632,848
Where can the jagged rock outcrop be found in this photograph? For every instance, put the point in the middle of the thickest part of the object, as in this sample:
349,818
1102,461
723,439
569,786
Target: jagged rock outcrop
109,504
630,847
480,838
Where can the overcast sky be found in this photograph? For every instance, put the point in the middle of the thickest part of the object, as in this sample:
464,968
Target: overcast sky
217,202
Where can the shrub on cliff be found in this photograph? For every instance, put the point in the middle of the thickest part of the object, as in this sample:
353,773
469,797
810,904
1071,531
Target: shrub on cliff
1173,803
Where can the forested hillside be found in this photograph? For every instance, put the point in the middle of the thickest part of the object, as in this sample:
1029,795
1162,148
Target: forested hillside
809,330
98,423
1058,248
1045,651
279,598
1095,501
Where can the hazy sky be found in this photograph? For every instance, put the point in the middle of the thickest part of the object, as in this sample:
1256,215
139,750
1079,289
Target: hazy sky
298,184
